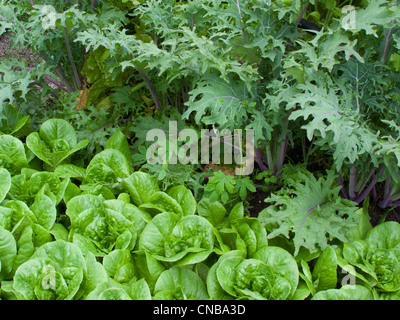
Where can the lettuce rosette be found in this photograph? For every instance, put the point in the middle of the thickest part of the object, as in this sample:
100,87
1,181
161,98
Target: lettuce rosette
271,274
56,271
101,226
23,229
376,258
179,241
55,142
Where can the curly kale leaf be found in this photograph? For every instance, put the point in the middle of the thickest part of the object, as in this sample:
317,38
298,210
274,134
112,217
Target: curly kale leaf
311,212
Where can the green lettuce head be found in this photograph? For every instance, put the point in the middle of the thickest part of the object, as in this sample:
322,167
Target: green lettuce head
56,271
377,257
271,274
101,226
181,241
55,142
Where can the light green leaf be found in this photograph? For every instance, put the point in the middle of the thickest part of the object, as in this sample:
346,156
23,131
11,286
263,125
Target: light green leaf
141,187
185,199
8,252
5,183
325,270
182,284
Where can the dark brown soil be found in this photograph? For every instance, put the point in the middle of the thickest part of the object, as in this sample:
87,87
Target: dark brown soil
257,204
378,215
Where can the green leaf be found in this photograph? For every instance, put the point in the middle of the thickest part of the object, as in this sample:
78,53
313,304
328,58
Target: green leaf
213,212
282,262
141,187
45,211
223,99
70,171
120,266
181,284
307,276
12,154
356,292
314,212
119,142
107,167
55,271
185,199
376,13
55,142
148,267
5,183
325,270
140,290
184,241
96,274
252,233
153,237
57,129
215,290
162,202
8,252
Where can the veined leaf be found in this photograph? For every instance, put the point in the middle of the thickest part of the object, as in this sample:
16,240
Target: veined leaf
217,102
314,211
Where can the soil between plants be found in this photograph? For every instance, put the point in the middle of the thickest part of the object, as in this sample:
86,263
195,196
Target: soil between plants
257,203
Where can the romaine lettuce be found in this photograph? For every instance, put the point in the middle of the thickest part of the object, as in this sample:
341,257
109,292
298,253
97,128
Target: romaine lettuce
271,274
56,271
179,241
55,142
104,225
376,258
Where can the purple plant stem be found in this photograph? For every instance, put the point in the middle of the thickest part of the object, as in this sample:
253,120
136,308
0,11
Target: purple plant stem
32,3
386,44
372,186
260,159
71,59
290,43
94,4
55,96
387,186
374,193
230,144
385,201
364,194
258,154
151,88
58,85
344,192
60,73
352,182
308,213
284,142
372,173
387,194
48,79
302,13
394,204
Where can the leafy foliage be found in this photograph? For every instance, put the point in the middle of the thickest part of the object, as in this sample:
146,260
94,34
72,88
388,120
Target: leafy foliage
84,215
312,210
